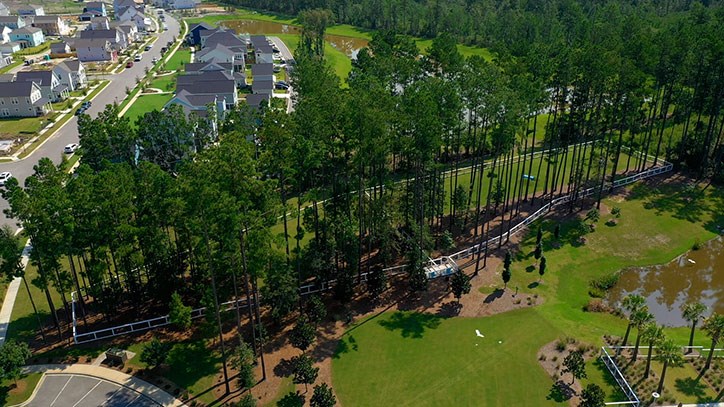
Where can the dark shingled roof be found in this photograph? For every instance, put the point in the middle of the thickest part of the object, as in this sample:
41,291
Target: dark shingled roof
255,100
207,87
15,89
262,85
204,77
42,78
262,69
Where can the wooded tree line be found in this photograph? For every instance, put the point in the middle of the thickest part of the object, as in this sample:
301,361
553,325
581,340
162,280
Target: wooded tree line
411,152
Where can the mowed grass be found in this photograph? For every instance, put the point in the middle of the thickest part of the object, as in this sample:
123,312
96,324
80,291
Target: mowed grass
340,63
413,359
419,359
12,393
179,59
146,103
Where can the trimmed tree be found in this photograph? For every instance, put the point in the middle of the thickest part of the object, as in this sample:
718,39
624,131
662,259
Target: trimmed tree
155,353
322,396
316,310
692,312
669,354
302,335
304,371
653,334
593,396
575,365
508,259
539,236
376,282
244,362
538,251
506,277
714,327
13,356
542,267
460,283
631,303
639,319
179,314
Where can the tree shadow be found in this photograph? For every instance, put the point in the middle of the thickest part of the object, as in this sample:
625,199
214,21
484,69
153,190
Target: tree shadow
284,368
450,309
693,387
291,400
189,362
494,295
411,324
533,285
345,344
530,269
560,392
610,380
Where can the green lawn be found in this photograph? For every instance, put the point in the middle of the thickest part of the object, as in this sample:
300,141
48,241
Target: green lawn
26,127
341,64
146,103
15,63
177,61
420,359
166,83
11,395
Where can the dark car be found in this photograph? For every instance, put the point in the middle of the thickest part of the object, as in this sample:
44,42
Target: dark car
281,85
86,104
129,64
147,48
80,111
164,49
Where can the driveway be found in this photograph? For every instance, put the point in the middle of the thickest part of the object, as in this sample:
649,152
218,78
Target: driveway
114,92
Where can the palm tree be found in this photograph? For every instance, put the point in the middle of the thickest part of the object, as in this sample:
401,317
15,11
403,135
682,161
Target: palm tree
639,319
653,334
631,303
670,355
692,312
714,327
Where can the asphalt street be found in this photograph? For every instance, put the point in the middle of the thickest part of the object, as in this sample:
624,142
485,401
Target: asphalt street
114,92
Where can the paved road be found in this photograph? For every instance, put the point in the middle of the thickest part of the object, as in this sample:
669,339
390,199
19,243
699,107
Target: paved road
288,57
115,91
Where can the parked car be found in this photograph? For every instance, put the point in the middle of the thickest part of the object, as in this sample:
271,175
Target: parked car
154,60
4,176
80,111
164,49
281,85
129,64
147,48
86,104
137,58
70,148
29,61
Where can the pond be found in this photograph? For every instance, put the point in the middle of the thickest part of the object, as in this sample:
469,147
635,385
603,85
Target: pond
349,45
697,276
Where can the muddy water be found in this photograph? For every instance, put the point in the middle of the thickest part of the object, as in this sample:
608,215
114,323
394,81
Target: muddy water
697,276
350,46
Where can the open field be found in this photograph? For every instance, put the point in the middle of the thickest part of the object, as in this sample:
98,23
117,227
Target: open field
146,103
392,353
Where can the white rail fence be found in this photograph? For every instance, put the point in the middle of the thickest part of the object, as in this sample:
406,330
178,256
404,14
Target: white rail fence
610,363
442,266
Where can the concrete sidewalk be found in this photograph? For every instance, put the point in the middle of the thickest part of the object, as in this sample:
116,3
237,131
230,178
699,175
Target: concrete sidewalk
131,382
9,302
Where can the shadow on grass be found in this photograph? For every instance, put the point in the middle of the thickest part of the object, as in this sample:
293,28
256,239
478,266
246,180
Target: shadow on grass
190,362
694,388
411,324
617,394
26,329
560,392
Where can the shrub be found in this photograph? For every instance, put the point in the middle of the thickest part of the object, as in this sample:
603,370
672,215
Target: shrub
596,305
696,245
616,211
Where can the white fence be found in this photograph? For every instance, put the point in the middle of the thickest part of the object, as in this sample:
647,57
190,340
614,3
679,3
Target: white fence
620,379
431,269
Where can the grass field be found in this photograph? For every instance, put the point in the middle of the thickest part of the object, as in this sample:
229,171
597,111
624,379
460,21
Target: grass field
146,103
12,395
419,359
177,61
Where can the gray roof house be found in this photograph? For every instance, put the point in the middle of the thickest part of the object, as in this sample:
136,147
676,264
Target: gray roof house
116,37
72,74
264,54
198,104
5,60
22,99
199,67
49,82
223,89
263,72
59,48
12,22
205,76
52,25
258,100
31,10
95,49
262,86
216,53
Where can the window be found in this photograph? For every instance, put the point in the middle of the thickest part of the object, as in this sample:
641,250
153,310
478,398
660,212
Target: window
15,101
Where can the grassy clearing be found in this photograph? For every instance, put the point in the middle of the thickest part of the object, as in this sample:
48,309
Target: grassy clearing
11,66
179,59
146,103
26,126
34,50
166,83
407,347
12,393
341,64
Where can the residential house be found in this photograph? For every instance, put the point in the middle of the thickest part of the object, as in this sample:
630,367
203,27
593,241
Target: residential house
116,37
258,100
263,72
224,89
4,11
264,54
130,29
231,41
95,50
28,36
121,4
96,6
200,67
194,35
72,74
262,86
10,47
31,10
49,82
198,103
217,53
60,49
5,60
12,22
100,23
132,14
5,34
7,77
22,99
52,25
181,4
215,75
89,16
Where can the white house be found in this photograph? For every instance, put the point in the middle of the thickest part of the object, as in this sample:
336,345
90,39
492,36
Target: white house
100,23
95,50
59,49
263,72
49,83
72,74
5,34
130,29
217,53
31,10
52,25
22,99
12,22
4,11
10,47
116,37
264,54
5,60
